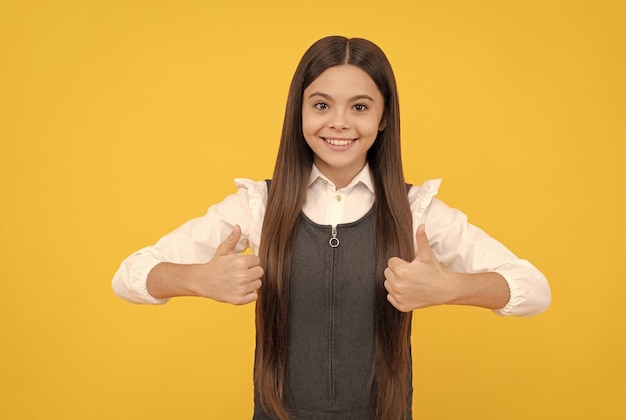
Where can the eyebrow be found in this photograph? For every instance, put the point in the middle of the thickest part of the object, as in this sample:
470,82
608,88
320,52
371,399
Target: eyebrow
354,98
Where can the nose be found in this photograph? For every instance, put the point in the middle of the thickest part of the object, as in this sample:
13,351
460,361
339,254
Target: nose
339,120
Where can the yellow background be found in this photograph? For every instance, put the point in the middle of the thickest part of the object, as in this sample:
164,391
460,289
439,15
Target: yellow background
120,120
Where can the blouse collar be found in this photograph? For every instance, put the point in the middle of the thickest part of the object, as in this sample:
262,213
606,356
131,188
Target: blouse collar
363,177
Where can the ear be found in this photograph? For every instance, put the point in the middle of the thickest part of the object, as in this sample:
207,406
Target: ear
383,122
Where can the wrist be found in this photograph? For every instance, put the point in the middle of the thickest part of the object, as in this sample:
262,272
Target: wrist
453,283
167,280
188,277
485,289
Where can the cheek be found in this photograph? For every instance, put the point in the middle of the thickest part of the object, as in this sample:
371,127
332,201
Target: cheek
309,125
370,128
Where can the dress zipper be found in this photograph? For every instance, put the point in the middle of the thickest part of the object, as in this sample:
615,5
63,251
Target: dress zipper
334,241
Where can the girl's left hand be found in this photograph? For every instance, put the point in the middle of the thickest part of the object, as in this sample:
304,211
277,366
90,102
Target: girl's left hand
419,283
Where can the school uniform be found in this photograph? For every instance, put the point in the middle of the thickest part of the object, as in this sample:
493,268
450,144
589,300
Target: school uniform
329,367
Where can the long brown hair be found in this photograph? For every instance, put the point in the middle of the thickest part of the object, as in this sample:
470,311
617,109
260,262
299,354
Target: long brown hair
392,220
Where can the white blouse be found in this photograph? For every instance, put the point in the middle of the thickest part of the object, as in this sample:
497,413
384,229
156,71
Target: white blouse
458,245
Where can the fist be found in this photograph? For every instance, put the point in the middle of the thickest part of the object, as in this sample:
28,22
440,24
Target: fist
419,283
229,277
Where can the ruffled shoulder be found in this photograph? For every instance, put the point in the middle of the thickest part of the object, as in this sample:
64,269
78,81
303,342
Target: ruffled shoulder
255,193
256,190
421,197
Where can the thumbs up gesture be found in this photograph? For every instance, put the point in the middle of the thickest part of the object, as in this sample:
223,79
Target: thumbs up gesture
229,277
419,283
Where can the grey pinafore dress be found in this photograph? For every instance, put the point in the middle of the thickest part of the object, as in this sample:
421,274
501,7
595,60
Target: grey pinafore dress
329,372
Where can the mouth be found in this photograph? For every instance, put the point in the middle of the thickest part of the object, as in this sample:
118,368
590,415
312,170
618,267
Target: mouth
338,142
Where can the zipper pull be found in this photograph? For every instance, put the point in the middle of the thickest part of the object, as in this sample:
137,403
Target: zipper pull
334,242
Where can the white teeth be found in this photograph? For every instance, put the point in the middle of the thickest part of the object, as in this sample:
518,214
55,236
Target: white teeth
336,142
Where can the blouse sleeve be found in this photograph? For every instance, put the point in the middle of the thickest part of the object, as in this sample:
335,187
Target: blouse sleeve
463,247
195,241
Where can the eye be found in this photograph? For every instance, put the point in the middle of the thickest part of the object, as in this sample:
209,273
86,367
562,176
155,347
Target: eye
321,106
360,107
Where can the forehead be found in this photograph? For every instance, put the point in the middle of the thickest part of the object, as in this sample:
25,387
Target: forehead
346,78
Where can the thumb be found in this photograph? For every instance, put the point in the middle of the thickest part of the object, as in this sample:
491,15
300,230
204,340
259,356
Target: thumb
228,246
424,251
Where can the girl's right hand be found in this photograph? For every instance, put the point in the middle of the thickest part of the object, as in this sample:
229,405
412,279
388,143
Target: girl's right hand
229,277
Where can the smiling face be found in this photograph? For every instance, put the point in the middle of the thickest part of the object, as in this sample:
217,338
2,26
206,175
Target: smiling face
342,113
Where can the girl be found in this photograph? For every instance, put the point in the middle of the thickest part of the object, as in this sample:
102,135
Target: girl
341,250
